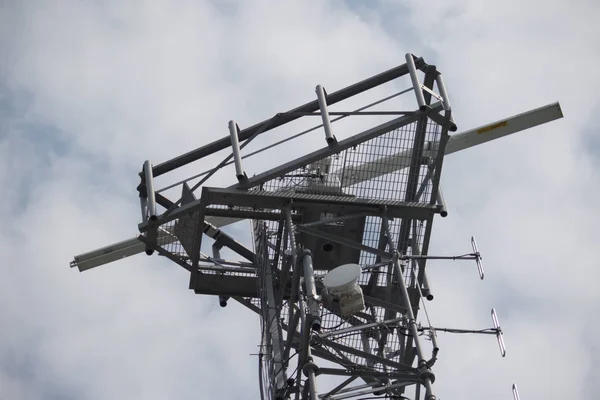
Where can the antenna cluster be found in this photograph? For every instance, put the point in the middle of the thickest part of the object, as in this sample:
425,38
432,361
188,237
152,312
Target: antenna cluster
338,268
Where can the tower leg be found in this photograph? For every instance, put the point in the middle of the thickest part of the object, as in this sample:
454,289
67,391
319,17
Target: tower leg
426,374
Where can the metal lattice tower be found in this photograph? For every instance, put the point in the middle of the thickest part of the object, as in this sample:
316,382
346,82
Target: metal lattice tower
341,235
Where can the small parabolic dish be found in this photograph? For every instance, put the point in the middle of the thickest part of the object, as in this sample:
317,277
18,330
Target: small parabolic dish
342,279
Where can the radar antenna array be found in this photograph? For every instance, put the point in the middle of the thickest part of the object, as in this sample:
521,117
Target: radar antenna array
340,234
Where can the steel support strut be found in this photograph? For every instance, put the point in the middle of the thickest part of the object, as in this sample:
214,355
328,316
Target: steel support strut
305,362
272,329
427,376
293,314
311,291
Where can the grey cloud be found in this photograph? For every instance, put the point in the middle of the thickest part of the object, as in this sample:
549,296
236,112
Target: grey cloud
90,90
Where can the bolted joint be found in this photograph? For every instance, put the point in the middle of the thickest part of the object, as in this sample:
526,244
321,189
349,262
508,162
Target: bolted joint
426,374
315,324
309,367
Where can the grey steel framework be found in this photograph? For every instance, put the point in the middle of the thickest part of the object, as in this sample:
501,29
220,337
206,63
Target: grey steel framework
368,199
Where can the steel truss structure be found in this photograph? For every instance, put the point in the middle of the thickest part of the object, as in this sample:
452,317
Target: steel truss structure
368,199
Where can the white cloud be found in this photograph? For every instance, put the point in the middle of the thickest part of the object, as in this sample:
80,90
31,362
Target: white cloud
90,90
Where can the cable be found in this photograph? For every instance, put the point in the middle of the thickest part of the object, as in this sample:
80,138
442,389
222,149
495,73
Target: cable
344,321
379,328
423,302
286,364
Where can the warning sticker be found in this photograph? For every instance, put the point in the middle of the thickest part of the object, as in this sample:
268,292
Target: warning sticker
492,127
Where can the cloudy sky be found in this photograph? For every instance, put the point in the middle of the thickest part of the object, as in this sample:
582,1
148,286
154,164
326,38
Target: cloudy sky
91,89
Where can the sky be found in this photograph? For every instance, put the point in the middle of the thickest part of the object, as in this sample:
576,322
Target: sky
91,89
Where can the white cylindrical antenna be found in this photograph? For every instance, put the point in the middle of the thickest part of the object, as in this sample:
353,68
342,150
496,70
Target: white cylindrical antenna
477,255
434,342
439,80
235,145
412,70
325,115
417,252
498,333
441,203
311,291
426,287
144,207
515,392
216,251
150,198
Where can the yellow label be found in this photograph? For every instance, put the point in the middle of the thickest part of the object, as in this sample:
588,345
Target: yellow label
492,127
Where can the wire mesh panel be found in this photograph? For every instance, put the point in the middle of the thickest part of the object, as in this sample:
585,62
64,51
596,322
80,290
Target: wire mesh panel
378,169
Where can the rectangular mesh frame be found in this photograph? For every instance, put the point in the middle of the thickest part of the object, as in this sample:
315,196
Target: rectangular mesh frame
382,341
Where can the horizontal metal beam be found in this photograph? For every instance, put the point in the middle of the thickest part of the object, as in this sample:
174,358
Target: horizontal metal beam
373,389
503,127
230,263
377,301
226,284
360,353
341,218
108,254
224,269
279,119
161,251
222,238
310,114
339,204
341,240
408,376
280,199
419,257
238,215
342,331
246,286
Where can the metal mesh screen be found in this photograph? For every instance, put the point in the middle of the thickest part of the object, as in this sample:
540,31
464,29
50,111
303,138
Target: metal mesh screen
388,177
340,174
395,166
376,169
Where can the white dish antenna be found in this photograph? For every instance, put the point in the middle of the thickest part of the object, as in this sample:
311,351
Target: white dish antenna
342,283
342,279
